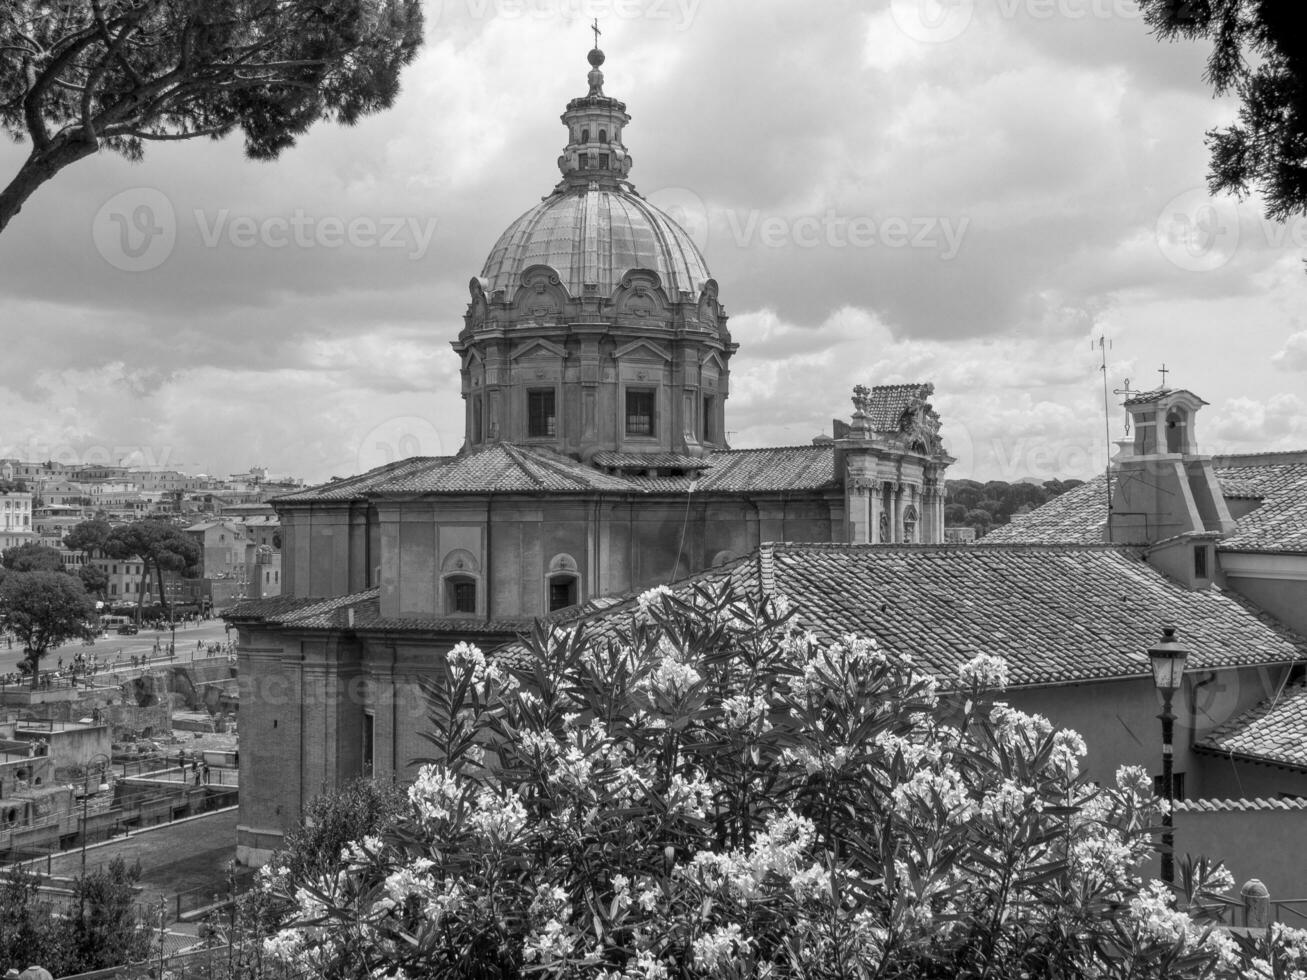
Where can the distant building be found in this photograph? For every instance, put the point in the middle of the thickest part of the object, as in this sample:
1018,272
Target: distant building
16,527
959,535
163,480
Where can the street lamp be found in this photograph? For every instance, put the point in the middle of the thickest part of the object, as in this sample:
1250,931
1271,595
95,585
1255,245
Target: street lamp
1168,659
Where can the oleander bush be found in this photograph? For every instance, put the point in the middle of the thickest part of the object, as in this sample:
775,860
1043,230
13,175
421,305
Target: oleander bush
712,791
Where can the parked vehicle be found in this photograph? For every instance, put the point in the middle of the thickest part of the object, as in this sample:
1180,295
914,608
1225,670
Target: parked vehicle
127,629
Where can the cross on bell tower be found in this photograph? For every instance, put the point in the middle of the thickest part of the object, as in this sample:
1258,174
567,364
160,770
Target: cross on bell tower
595,28
1164,371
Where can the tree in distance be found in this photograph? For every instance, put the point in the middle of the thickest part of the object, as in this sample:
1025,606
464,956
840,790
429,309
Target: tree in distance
160,546
33,557
89,536
94,579
44,609
78,76
1260,55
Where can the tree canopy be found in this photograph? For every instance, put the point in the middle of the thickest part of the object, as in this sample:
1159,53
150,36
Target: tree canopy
970,503
32,557
102,928
1259,54
44,609
94,579
160,546
80,75
89,536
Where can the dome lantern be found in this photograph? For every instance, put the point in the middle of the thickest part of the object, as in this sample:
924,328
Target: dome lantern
594,326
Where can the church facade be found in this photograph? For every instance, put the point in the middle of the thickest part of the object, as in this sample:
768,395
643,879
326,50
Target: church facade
595,361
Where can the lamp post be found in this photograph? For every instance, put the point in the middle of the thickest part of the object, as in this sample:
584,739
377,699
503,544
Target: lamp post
1168,659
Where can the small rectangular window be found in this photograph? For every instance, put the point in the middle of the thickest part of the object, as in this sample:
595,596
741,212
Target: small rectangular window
603,161
462,596
541,418
369,745
476,419
1200,561
1177,783
562,593
709,431
639,412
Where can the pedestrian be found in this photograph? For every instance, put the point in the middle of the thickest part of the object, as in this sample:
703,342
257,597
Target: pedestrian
181,762
206,773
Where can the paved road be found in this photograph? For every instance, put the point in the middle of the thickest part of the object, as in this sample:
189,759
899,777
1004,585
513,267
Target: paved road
125,647
177,857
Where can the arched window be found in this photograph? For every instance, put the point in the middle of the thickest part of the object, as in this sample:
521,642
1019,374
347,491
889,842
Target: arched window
1175,431
585,136
603,136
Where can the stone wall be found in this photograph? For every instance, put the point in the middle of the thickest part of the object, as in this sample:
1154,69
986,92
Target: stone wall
147,722
1255,838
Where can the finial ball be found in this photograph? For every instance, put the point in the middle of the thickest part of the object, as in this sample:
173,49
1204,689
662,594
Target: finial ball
597,57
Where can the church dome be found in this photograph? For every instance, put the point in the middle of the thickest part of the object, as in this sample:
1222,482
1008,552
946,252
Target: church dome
595,235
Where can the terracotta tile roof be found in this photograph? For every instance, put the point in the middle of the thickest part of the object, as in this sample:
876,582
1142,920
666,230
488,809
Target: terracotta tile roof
1157,394
306,612
1075,517
1216,806
1059,614
1279,524
887,403
778,468
357,487
506,468
609,460
1274,731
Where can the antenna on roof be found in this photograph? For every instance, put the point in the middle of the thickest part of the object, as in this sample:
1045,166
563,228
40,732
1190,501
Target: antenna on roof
1104,345
1129,393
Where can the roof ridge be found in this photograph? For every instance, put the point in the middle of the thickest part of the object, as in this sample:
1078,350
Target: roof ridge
1255,713
770,449
957,547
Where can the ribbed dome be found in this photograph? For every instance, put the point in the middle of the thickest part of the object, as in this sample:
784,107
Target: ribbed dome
596,236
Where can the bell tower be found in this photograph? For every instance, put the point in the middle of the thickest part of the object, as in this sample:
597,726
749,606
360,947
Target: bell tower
1162,487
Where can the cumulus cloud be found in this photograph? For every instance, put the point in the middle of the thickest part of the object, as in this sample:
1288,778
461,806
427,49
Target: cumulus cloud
1293,356
1250,424
877,207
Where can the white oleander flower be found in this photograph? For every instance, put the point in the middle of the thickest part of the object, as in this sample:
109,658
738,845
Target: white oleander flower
984,671
720,947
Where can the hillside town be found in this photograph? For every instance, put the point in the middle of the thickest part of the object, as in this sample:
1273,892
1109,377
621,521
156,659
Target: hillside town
41,503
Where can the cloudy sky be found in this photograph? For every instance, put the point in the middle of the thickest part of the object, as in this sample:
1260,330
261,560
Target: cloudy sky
969,193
